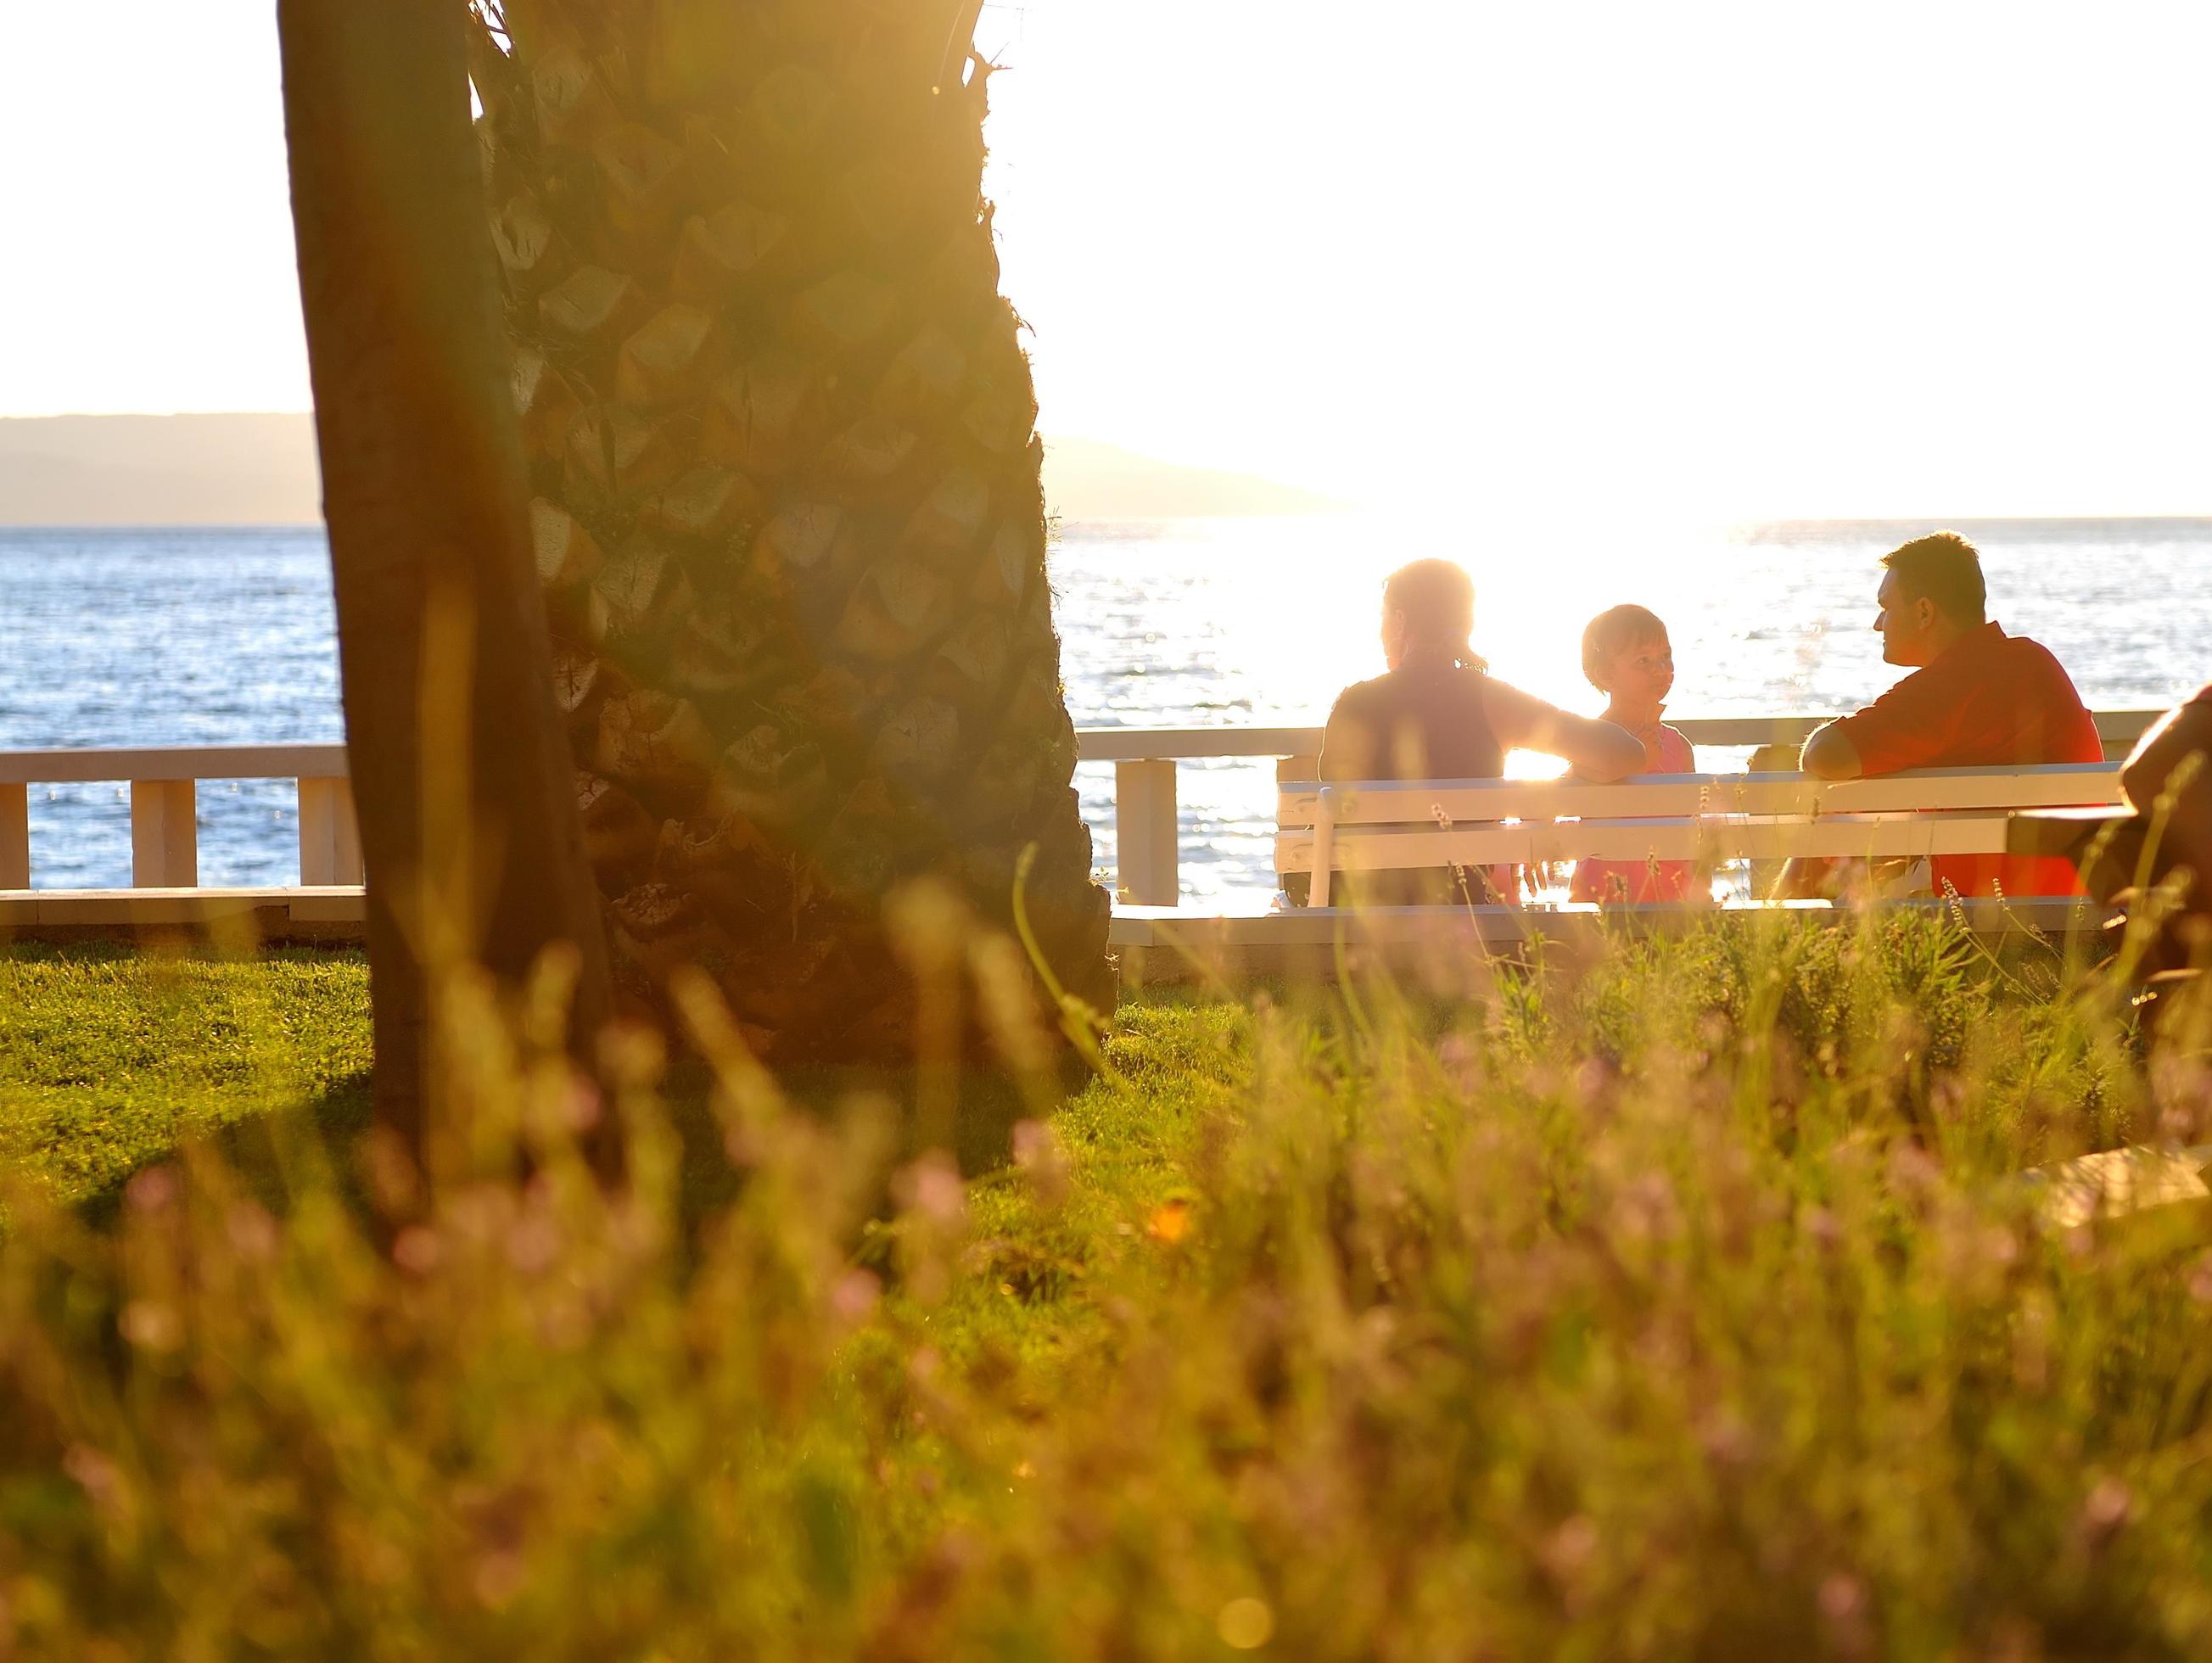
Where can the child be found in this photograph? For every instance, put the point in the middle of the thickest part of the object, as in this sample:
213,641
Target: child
1625,654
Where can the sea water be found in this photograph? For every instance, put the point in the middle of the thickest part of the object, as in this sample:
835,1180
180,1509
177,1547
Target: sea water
199,637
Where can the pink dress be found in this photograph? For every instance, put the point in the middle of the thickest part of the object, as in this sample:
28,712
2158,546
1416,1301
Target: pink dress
1665,751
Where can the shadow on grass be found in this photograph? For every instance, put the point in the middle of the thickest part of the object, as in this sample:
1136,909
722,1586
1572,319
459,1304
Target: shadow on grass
275,1153
988,1106
268,1151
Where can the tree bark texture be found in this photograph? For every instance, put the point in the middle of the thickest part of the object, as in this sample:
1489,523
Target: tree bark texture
460,766
786,498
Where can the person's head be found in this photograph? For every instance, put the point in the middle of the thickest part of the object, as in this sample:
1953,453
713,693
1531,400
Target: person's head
1931,594
1428,613
1626,653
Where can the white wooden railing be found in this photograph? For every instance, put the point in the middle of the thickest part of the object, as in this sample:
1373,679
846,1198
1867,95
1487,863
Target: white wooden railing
164,798
164,783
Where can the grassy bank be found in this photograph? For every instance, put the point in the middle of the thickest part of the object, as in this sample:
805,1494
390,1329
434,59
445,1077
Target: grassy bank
1677,1309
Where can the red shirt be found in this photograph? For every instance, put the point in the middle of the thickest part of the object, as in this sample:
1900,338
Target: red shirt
1990,700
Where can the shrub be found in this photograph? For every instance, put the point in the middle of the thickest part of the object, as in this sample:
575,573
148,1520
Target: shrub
1681,1308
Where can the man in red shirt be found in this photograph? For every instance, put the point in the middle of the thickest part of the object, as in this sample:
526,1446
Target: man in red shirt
1976,698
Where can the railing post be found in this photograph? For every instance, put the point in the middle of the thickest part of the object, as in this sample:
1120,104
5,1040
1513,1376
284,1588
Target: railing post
164,846
1145,829
15,836
329,839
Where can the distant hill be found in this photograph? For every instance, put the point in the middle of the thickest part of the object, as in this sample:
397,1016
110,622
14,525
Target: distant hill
261,470
159,471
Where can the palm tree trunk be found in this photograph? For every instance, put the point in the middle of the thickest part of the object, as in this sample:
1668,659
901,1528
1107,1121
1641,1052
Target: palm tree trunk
461,771
781,431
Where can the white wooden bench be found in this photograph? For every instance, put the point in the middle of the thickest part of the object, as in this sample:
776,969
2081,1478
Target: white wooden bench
1413,825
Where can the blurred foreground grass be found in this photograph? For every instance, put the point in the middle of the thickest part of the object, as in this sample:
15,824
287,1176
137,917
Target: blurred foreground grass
1680,1308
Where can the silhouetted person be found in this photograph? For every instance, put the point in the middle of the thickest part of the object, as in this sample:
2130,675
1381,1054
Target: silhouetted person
2173,760
1437,714
2153,768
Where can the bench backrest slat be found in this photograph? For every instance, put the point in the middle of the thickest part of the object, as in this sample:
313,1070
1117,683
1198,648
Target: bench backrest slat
1920,790
1382,848
1401,825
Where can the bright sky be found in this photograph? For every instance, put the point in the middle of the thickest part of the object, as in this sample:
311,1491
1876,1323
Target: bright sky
1607,260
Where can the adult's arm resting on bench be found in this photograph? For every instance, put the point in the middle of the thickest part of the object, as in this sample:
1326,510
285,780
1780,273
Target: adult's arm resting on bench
1598,751
1829,755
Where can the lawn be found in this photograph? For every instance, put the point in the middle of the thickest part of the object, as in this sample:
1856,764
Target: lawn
109,1060
1679,1307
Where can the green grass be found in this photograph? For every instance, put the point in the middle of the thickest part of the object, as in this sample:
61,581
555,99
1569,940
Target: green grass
1678,1308
109,1061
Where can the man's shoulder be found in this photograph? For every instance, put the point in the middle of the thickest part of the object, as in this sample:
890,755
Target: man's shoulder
2043,702
2027,649
2031,661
